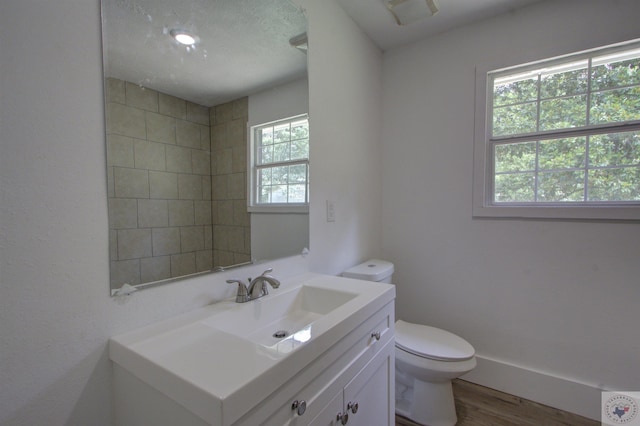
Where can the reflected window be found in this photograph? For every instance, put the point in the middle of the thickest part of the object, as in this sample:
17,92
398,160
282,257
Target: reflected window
280,163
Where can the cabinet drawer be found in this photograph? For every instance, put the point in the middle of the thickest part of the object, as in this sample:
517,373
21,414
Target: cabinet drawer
319,382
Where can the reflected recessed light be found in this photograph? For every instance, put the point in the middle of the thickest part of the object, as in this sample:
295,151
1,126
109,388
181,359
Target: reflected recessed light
184,37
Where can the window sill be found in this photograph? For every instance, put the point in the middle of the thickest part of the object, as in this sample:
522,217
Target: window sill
604,213
280,208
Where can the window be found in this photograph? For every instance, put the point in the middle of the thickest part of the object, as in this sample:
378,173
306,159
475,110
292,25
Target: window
280,165
561,138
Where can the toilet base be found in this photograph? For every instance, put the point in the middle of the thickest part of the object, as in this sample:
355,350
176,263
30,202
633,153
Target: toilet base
430,404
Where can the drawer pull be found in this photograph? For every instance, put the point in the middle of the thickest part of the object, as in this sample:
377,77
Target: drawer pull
353,406
342,418
299,406
376,335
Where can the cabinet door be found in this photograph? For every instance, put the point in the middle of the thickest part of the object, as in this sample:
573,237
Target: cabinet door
370,397
327,417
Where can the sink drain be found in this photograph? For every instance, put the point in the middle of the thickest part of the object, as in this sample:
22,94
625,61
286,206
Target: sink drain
280,334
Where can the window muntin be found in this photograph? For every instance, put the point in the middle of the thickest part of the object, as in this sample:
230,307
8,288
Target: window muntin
566,132
281,162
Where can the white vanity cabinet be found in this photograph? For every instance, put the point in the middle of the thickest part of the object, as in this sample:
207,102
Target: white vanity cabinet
358,370
193,370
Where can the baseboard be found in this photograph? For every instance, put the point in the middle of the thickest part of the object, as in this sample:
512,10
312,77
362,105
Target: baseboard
558,392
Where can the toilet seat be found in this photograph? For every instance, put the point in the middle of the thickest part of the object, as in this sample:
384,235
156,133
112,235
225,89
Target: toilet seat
432,343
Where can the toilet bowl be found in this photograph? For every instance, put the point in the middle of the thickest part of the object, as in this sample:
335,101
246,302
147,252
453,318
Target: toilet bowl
427,360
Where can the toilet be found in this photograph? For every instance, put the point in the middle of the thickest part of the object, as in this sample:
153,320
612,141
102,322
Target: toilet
427,360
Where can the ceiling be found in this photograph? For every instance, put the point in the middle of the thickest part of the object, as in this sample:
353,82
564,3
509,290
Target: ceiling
375,20
244,44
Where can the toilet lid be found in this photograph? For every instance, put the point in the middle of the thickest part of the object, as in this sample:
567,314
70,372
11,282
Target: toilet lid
431,342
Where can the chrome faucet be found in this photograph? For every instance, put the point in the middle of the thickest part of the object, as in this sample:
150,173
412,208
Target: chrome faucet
257,287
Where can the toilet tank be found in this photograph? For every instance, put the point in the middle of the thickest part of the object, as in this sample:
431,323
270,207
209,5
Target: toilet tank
371,270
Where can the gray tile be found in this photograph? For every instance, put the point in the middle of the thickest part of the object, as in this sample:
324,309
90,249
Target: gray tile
178,159
123,213
126,121
208,237
202,210
188,134
204,260
237,186
240,108
172,106
183,264
134,243
149,155
197,113
161,128
200,162
124,272
206,188
120,151
163,185
191,238
189,187
114,90
239,161
181,212
155,269
141,97
153,213
165,241
131,183
205,138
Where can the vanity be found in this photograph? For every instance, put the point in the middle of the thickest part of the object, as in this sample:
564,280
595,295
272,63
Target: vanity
319,350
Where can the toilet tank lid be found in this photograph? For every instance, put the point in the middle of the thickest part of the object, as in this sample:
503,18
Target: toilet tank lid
371,270
431,342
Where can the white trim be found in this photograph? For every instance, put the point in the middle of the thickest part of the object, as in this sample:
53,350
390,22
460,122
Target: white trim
542,387
483,207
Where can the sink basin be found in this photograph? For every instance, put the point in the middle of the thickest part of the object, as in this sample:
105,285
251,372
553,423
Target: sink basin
283,320
218,360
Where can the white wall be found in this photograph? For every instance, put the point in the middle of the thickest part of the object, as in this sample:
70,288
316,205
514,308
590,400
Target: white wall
557,300
345,85
55,312
276,234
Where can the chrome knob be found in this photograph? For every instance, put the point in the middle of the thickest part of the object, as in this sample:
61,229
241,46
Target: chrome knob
299,406
342,418
353,406
376,335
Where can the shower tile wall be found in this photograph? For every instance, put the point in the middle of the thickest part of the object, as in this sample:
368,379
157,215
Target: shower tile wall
159,177
231,222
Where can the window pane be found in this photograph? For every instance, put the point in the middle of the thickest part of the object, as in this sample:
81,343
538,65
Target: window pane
279,194
559,84
281,133
264,177
300,149
515,91
618,184
515,119
266,136
516,187
264,194
568,153
281,152
615,106
615,149
516,157
279,175
265,155
561,186
609,72
563,113
298,173
300,130
297,193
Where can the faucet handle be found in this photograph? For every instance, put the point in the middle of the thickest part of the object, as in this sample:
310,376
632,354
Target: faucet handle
243,294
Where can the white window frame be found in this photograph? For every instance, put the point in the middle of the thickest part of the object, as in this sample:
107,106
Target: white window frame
483,167
252,205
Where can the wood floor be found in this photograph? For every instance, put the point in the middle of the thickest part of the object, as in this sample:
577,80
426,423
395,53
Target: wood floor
480,406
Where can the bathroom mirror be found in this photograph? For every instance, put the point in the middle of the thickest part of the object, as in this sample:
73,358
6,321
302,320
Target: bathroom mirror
178,116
